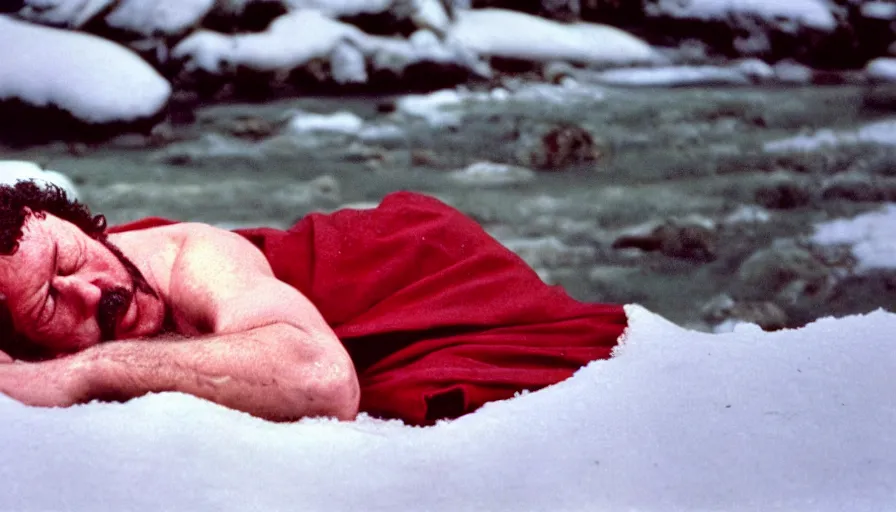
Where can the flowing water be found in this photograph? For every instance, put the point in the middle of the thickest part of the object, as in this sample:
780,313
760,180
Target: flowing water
692,156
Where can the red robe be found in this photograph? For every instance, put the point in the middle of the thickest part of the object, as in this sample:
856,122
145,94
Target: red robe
438,317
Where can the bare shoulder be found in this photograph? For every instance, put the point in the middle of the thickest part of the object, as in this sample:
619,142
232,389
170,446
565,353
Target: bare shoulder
211,246
223,283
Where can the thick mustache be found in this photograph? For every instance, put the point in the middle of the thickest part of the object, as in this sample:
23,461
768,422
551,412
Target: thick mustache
113,303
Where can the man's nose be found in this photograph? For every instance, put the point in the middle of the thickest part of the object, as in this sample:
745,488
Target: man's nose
82,293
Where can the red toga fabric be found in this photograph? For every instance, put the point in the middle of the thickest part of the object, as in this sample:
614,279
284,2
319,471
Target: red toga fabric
439,318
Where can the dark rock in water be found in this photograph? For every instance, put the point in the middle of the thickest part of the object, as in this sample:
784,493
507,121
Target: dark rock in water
787,273
853,293
858,189
784,195
880,97
249,127
25,125
767,315
562,146
688,242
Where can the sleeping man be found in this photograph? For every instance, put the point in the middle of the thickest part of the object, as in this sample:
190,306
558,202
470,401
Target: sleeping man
409,310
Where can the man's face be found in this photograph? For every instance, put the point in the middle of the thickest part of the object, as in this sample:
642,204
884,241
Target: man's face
66,291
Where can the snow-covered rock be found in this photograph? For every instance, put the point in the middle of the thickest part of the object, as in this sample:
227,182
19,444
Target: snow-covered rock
879,10
13,171
882,69
871,236
158,17
95,80
671,76
340,122
511,34
63,13
438,109
279,49
143,17
492,174
817,14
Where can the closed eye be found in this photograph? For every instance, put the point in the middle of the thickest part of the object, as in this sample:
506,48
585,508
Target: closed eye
47,309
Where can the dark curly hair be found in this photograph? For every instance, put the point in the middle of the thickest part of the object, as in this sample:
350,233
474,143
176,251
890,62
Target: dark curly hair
17,203
16,200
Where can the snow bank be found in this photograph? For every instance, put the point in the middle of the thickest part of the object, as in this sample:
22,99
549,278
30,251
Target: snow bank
813,13
13,171
796,420
511,34
871,235
95,80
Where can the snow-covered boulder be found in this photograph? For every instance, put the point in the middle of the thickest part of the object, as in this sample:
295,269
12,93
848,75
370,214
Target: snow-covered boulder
94,80
787,15
516,35
13,171
158,17
63,13
142,17
277,48
882,69
347,49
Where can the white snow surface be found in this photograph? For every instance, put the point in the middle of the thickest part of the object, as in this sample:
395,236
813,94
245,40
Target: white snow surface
511,34
13,171
95,80
872,237
813,13
155,17
797,420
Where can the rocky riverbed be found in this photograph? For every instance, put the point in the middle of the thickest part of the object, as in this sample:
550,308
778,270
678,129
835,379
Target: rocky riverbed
699,203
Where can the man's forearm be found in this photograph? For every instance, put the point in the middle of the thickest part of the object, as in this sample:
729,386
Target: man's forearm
274,372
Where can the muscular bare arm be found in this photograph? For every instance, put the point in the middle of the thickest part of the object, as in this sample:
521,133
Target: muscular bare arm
249,342
270,372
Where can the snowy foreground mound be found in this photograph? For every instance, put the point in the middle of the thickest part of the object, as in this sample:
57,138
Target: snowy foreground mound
95,80
677,420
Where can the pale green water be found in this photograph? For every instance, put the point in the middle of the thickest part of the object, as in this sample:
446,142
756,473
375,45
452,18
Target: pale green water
665,153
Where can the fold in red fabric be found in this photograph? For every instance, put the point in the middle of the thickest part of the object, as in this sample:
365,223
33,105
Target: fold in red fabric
438,317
